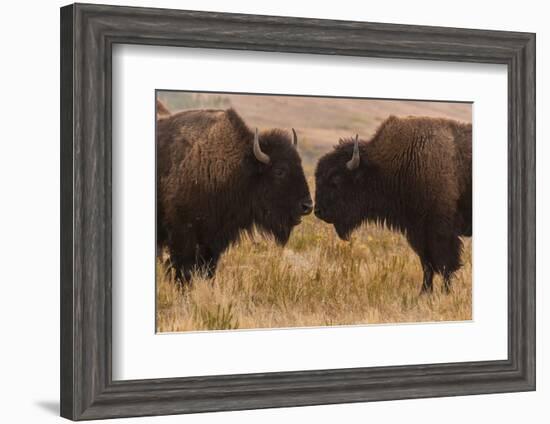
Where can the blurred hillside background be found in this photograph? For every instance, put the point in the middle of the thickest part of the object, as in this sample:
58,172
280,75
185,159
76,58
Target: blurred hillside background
319,121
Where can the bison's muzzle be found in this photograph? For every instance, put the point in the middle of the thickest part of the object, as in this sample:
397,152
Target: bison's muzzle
307,207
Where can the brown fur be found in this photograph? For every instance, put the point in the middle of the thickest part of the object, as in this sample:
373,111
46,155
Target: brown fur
415,175
211,187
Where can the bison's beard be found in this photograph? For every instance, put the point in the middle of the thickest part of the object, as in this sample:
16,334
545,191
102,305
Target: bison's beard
282,235
344,229
279,229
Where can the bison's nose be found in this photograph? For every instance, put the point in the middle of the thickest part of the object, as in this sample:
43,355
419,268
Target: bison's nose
307,207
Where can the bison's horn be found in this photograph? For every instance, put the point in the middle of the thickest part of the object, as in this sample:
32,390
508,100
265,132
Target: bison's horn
294,138
261,156
353,163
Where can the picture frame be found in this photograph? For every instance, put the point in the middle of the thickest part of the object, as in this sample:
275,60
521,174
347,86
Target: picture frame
88,33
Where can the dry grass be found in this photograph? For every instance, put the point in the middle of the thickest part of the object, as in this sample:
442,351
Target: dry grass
316,280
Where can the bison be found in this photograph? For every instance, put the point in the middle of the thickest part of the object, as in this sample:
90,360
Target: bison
217,179
415,176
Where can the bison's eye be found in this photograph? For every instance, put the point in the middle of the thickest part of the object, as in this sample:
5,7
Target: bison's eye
336,180
279,172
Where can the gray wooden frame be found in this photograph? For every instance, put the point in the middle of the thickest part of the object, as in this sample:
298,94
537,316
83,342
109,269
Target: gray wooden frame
88,33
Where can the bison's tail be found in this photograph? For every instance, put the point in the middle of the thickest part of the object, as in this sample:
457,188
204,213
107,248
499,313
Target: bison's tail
467,232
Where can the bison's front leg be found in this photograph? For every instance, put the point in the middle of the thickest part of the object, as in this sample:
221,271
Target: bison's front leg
427,283
207,260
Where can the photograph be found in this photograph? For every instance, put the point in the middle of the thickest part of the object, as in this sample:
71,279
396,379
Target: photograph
284,211
279,212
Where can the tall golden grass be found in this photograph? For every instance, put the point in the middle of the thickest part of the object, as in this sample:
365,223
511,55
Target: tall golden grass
316,280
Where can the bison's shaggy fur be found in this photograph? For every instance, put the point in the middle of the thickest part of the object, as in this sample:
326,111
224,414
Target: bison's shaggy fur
211,187
415,176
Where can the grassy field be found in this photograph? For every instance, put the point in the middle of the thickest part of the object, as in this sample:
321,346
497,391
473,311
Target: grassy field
316,279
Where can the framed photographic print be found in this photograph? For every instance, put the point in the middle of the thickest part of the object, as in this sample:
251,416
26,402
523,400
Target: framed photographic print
268,211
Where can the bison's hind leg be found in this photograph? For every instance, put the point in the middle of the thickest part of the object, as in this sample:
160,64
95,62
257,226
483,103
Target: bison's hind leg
187,262
417,240
439,250
445,250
